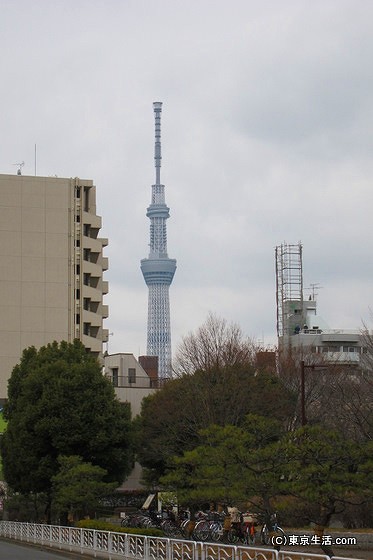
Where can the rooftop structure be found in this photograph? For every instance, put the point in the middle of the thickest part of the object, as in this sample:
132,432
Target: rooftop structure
298,324
158,269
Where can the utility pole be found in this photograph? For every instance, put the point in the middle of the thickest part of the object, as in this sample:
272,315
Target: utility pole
303,367
302,394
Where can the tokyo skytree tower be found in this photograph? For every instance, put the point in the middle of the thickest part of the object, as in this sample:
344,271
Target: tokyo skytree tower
158,270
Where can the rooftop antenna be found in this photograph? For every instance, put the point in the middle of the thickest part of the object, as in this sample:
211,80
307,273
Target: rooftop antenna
19,165
313,289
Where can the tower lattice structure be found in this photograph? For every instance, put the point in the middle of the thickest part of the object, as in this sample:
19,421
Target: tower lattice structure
289,289
158,270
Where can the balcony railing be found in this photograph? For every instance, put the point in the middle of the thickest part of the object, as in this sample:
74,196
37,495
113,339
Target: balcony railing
139,382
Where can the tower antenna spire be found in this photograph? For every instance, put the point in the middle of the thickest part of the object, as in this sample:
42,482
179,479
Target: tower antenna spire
157,107
158,269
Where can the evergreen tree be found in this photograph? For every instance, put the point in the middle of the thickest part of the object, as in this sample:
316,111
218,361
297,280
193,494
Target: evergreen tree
59,403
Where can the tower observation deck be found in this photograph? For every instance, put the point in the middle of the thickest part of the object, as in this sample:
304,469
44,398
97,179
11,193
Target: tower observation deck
158,270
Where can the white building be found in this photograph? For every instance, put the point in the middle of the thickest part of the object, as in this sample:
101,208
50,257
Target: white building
131,381
299,325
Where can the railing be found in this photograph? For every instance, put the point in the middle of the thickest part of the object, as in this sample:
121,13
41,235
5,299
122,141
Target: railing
137,382
111,545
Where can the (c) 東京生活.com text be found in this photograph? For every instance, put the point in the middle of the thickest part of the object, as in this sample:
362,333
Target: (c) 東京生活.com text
309,540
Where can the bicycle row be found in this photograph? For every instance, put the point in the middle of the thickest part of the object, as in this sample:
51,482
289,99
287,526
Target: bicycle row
209,526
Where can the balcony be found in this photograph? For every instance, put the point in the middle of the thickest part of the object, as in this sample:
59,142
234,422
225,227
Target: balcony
93,269
105,311
93,344
93,318
94,244
92,293
105,263
105,287
92,219
139,383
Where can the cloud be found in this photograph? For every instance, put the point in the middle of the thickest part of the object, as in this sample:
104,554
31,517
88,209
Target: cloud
266,138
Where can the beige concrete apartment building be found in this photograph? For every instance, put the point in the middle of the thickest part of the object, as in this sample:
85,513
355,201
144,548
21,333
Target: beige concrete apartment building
51,267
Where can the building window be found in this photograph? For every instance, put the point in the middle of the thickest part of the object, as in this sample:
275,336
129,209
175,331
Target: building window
114,373
86,254
86,279
86,230
131,375
86,302
86,328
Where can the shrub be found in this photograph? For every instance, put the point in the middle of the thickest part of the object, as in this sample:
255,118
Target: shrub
98,525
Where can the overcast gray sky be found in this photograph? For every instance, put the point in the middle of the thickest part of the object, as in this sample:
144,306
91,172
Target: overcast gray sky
266,138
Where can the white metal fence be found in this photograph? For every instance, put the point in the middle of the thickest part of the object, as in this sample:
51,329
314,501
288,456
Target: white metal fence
112,545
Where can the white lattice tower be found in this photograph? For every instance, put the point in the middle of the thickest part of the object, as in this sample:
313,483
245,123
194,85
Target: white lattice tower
289,286
158,270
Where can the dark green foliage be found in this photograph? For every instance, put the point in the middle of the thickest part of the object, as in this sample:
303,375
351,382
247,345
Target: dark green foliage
320,471
78,487
172,418
25,507
60,404
328,470
104,526
231,464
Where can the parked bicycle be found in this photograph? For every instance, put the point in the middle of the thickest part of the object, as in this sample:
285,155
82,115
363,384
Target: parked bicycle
250,522
142,519
274,529
245,530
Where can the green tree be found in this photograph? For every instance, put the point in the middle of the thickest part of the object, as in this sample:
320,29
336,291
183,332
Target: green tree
327,470
78,487
322,468
232,464
171,419
218,382
59,403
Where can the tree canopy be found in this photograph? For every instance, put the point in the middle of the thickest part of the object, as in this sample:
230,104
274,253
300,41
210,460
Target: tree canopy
229,385
232,464
258,462
78,486
59,403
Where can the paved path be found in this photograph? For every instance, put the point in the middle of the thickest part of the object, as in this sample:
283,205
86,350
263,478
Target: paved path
339,551
16,551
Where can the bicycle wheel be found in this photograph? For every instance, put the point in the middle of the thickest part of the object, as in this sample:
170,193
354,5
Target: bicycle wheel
202,531
276,532
186,529
216,531
232,536
167,527
279,532
264,535
250,535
